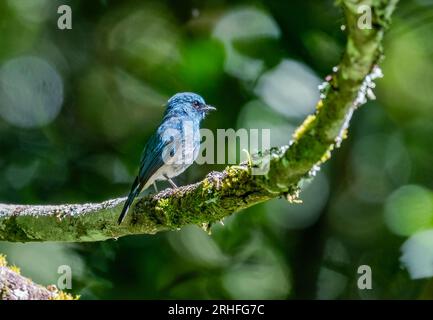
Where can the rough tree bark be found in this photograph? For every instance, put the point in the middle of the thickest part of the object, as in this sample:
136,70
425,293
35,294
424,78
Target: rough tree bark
222,193
13,286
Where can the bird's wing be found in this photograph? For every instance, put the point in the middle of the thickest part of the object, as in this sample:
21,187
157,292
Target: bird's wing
153,156
151,161
162,145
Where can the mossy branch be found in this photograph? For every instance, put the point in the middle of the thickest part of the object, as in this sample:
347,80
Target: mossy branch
14,286
221,194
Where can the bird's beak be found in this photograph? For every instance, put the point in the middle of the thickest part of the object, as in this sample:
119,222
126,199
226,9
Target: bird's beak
207,108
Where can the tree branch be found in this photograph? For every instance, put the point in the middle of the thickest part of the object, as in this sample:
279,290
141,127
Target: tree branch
13,286
222,193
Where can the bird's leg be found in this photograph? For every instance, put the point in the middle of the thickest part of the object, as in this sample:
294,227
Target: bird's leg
170,181
156,188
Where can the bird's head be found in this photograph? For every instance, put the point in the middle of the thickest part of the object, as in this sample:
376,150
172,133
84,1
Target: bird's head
189,103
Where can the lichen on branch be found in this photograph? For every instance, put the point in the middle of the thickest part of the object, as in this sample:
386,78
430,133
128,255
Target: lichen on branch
221,194
14,286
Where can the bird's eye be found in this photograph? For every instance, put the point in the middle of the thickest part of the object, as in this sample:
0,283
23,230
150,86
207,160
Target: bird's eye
195,104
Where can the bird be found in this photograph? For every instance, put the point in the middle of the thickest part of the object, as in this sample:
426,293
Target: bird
173,147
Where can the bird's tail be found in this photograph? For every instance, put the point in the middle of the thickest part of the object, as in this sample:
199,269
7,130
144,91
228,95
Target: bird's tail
135,191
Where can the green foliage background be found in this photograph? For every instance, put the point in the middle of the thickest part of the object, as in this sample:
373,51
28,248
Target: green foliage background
259,63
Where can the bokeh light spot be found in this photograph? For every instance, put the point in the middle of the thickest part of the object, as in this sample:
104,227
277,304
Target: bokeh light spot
290,89
417,255
244,23
409,209
31,92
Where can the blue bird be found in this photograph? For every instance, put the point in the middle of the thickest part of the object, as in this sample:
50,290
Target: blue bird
173,147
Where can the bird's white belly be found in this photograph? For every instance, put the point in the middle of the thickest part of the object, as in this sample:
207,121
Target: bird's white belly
177,164
170,171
